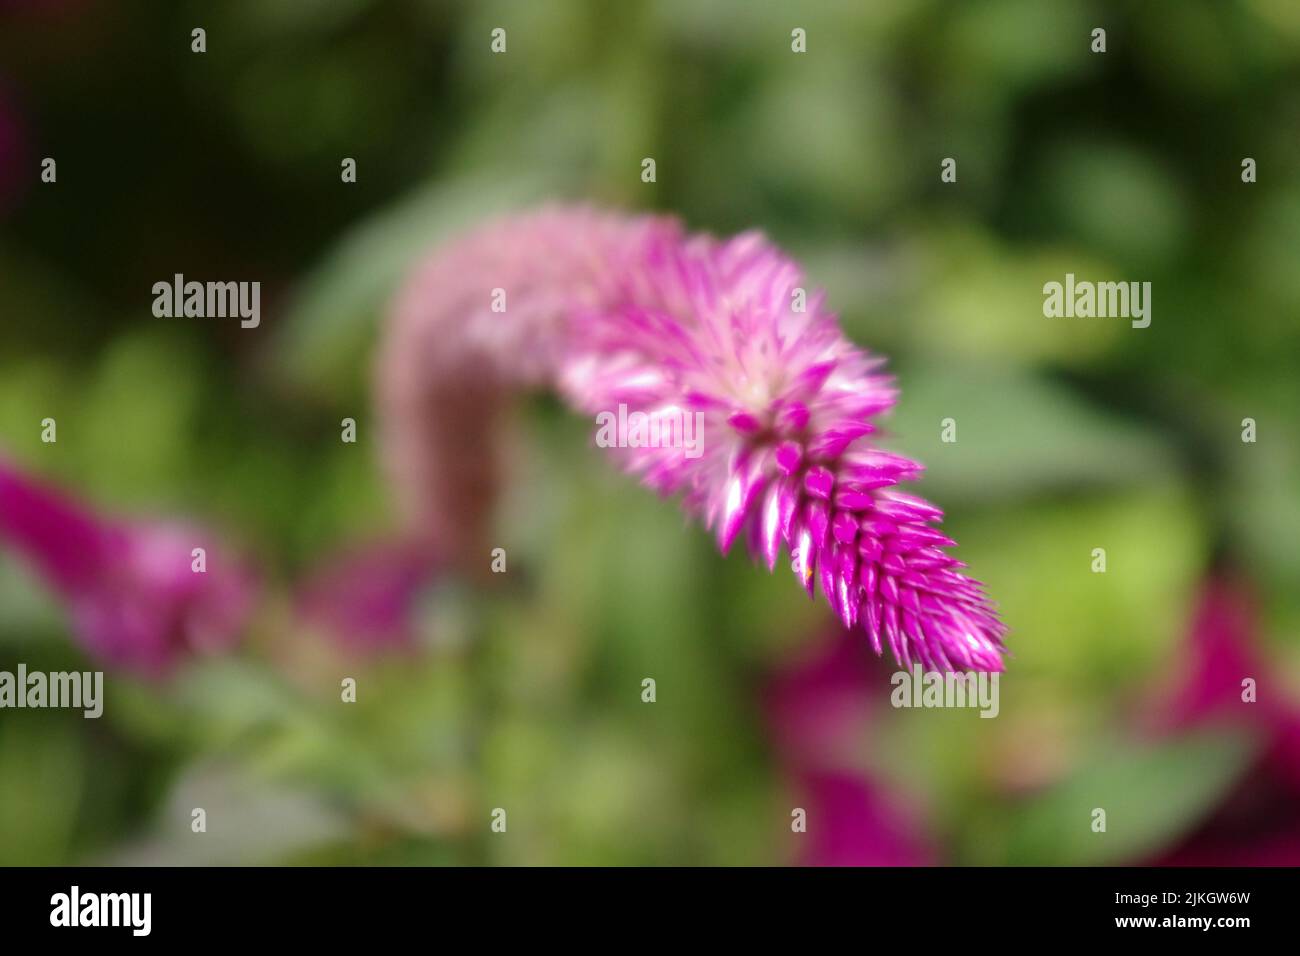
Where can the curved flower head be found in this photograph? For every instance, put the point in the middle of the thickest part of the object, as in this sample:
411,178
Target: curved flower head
486,315
135,597
785,403
631,314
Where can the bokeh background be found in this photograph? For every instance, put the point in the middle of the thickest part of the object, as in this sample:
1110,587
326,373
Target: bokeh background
523,691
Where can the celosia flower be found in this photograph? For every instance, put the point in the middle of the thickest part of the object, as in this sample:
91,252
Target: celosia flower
630,312
448,358
135,599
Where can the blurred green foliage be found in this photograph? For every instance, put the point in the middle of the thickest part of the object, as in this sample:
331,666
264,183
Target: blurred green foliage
1072,434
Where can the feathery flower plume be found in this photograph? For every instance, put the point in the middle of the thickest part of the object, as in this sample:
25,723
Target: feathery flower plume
448,360
629,311
135,600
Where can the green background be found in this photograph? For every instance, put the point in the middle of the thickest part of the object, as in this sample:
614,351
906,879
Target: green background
1072,433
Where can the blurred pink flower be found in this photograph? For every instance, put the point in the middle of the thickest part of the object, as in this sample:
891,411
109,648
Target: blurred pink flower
819,702
1259,823
133,595
819,708
629,313
365,598
855,822
1221,652
448,360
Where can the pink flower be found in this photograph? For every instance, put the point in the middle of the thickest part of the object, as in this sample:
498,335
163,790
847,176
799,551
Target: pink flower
448,360
819,702
1258,824
1221,653
135,597
629,312
819,707
365,599
852,821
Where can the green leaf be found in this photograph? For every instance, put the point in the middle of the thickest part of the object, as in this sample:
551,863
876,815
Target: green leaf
1016,434
249,820
42,766
1090,634
327,333
1151,796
